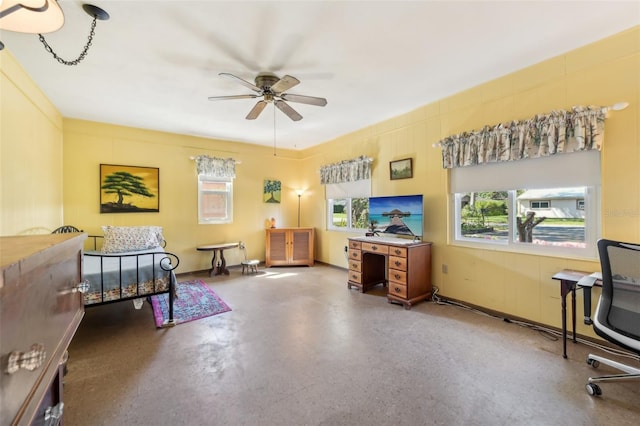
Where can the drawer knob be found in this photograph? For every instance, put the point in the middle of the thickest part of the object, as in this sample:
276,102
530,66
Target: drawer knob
29,360
83,286
354,265
397,289
354,276
398,251
53,415
397,263
397,276
374,248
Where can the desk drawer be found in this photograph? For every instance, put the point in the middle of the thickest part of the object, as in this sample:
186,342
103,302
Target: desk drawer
355,255
399,263
355,245
398,289
356,277
398,276
355,265
375,248
398,251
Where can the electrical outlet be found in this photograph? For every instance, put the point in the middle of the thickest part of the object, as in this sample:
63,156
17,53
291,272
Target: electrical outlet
346,249
445,268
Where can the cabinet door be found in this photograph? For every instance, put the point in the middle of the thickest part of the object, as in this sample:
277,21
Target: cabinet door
302,247
276,247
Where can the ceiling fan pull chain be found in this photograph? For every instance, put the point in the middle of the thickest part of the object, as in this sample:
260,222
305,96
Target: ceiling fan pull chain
84,51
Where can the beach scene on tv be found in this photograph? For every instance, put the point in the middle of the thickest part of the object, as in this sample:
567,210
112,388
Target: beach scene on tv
401,215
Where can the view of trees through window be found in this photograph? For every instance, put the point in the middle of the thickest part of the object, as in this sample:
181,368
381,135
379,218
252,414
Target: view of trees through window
545,217
350,213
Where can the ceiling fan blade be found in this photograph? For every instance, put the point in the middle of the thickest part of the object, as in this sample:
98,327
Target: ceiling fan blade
309,100
241,81
285,83
290,112
256,110
222,98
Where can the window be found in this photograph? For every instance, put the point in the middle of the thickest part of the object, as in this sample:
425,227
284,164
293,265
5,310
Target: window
215,200
540,204
348,213
532,205
348,205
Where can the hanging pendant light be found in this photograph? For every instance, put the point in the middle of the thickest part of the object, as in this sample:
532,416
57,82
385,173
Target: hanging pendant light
31,16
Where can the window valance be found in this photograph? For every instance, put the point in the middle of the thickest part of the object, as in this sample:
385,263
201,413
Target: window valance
581,129
220,168
346,171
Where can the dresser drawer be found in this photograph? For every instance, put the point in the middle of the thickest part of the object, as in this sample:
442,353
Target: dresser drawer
356,277
355,255
375,248
398,251
355,245
398,276
398,289
355,265
399,263
39,305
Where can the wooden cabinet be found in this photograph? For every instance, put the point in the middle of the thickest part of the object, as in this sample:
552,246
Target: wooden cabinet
289,247
405,268
40,310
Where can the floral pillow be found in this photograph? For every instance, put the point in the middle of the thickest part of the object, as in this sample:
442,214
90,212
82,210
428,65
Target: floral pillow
120,239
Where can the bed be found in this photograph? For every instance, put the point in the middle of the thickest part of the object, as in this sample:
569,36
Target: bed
128,263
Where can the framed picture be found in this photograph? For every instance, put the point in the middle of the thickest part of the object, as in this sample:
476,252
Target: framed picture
272,192
401,169
129,189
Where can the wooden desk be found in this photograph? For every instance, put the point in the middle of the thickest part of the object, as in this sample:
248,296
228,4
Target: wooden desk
568,279
215,248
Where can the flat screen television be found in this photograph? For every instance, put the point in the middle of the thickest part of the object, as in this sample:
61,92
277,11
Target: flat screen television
400,214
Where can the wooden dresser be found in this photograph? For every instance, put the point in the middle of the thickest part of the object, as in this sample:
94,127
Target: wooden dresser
404,266
289,247
40,310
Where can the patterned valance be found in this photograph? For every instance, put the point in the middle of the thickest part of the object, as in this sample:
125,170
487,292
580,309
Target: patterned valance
581,129
346,171
220,168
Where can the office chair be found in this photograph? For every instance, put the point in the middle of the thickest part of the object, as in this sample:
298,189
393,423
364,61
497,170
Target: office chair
249,265
617,316
66,229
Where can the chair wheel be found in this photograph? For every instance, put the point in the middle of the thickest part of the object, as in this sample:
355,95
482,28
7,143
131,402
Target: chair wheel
593,362
593,389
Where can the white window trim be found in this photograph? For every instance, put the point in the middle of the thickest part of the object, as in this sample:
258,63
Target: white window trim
229,201
592,231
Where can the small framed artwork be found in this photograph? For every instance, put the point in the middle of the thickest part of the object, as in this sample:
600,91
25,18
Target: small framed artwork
401,169
129,189
271,192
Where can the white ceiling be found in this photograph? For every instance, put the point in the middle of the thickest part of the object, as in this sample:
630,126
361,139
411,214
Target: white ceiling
153,64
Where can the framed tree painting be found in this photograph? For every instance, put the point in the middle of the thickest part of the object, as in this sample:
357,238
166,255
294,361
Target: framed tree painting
401,169
272,191
129,189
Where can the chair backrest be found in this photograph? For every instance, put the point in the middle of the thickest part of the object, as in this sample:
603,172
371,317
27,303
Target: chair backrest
66,229
619,306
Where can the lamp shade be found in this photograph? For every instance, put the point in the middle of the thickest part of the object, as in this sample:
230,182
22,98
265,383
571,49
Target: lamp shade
31,16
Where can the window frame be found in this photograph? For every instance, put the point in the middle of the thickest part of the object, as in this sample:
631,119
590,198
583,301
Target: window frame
592,229
349,209
540,207
228,201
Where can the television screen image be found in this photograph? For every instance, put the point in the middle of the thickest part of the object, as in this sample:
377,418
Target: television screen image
401,214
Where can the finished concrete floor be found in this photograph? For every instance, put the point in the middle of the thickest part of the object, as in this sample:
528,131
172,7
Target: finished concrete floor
299,348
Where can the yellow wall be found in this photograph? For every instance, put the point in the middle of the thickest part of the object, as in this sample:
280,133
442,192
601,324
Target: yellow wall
603,73
30,154
89,144
517,284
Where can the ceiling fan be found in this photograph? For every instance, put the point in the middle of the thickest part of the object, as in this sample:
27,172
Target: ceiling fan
271,89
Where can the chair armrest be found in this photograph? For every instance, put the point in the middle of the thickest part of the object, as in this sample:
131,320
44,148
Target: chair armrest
586,283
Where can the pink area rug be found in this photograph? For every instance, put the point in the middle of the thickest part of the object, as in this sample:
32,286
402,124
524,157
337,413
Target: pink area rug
194,300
